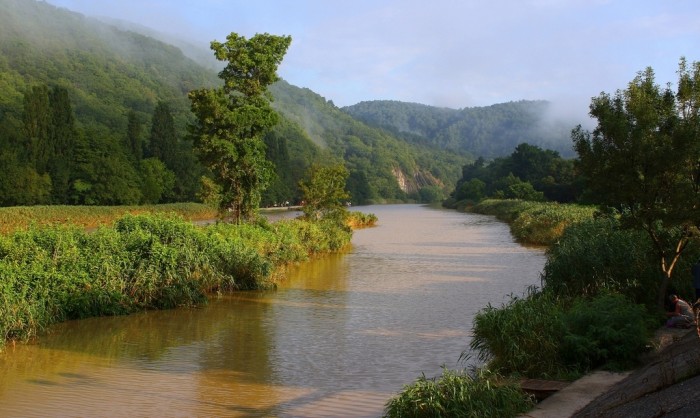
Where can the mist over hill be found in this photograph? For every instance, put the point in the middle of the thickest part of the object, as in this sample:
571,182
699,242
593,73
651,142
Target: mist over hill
116,77
489,132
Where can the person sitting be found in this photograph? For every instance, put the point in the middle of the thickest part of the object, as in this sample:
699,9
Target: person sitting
682,315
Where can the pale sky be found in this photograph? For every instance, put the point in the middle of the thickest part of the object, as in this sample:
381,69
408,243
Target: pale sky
449,53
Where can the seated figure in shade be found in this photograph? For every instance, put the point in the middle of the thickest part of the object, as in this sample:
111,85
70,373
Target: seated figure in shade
682,315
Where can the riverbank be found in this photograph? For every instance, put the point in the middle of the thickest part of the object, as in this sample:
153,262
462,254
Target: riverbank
667,384
50,274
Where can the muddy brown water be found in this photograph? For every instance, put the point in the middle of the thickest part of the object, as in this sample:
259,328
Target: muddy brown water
340,337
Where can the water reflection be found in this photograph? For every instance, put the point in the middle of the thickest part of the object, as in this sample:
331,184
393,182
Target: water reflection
338,338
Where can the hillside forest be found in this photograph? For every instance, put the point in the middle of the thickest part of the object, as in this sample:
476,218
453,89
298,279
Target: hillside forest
95,113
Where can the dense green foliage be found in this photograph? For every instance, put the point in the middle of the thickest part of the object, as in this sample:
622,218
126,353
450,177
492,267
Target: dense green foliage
97,88
458,394
232,119
324,192
596,255
574,335
51,274
529,173
642,160
489,132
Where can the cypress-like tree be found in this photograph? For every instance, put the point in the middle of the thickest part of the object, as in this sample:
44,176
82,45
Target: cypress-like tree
37,119
163,139
63,137
133,136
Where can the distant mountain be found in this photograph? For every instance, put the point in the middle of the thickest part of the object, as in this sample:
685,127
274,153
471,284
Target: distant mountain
489,132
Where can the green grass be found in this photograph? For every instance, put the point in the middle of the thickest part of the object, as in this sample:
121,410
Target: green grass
22,217
150,261
459,394
535,223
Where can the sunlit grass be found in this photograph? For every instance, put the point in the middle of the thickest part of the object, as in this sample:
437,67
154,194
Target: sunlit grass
21,217
535,223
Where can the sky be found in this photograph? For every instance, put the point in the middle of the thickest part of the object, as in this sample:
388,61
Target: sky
446,53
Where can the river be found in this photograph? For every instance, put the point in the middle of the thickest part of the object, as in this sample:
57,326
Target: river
338,338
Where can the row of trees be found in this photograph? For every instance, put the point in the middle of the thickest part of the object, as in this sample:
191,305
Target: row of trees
48,158
529,173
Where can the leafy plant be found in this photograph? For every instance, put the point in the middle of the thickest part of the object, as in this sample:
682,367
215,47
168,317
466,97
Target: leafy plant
458,394
608,331
515,337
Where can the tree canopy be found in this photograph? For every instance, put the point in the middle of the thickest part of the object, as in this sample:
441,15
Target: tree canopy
642,160
231,120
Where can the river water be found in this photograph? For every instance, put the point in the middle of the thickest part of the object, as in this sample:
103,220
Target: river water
338,338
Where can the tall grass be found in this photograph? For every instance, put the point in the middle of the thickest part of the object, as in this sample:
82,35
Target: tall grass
596,255
459,394
536,223
22,217
50,274
544,336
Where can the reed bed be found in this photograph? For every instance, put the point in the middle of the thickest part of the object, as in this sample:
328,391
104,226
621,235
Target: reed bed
22,217
58,272
535,223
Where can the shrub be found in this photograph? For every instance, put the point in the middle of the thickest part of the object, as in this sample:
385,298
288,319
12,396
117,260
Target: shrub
538,223
516,337
607,331
596,255
457,394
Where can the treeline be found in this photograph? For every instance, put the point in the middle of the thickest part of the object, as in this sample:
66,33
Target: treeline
49,159
529,173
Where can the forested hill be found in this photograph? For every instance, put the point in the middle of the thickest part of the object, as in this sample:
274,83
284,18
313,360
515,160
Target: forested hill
489,132
93,114
107,71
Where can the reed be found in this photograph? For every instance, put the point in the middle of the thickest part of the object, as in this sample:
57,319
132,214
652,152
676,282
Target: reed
459,394
535,223
22,217
149,261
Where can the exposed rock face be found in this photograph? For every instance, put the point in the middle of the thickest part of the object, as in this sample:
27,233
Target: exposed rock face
419,179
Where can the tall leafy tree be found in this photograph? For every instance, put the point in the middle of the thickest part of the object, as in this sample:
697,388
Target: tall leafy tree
63,137
231,120
643,158
324,191
133,135
163,139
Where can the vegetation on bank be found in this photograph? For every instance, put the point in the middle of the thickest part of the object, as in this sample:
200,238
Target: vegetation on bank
593,310
149,261
22,217
535,223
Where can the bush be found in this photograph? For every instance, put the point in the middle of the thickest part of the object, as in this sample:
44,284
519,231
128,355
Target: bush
516,337
596,255
537,223
457,394
608,331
